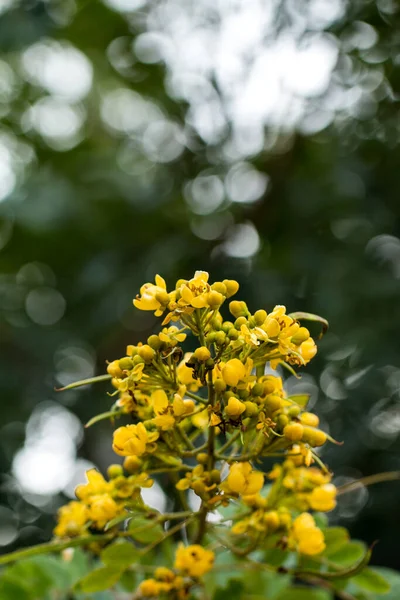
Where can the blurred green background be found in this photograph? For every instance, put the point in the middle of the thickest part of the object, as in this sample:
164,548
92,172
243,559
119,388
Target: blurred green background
255,139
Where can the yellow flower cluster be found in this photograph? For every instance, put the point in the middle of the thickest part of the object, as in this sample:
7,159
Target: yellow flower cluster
208,417
100,501
190,561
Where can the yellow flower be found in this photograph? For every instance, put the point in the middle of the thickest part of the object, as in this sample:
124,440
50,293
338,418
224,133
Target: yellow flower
308,538
185,374
162,408
194,292
172,335
234,408
233,371
193,560
243,480
150,588
96,485
102,509
132,440
308,350
182,407
153,296
72,520
323,498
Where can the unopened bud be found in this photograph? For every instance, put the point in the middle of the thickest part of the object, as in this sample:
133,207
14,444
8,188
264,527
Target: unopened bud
238,308
232,287
293,432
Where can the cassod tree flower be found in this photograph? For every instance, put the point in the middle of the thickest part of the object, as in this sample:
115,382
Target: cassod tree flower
218,422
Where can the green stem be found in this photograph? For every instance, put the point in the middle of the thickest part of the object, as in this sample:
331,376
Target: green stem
76,384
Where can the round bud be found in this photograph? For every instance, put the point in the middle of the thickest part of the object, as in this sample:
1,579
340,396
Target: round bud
271,519
226,326
216,322
147,353
220,338
210,337
198,487
257,389
219,385
215,476
233,334
202,354
294,411
220,287
138,360
272,403
114,471
131,350
154,342
215,299
132,464
293,432
163,298
310,419
125,364
300,336
251,409
202,458
232,287
252,322
239,322
114,369
238,309
260,316
314,437
243,394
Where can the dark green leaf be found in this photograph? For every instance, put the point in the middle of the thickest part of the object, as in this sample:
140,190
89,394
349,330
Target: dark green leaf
234,591
303,593
99,580
119,555
335,539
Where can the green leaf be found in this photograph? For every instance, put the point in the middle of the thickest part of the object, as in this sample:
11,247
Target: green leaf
29,576
10,590
128,581
393,579
300,399
145,531
110,414
234,591
119,555
348,554
370,580
99,580
303,593
116,521
335,539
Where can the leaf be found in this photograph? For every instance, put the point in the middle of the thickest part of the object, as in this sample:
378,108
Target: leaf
303,316
393,579
110,414
76,384
300,399
234,591
116,521
348,554
303,593
119,555
128,581
99,580
29,576
369,579
335,539
145,531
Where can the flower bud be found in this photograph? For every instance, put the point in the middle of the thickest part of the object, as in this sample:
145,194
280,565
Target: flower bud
233,334
202,458
239,322
238,308
198,487
260,316
243,394
300,336
131,350
251,409
125,364
310,419
294,411
215,299
210,337
114,369
220,338
293,432
257,389
272,520
315,437
216,322
147,353
234,408
273,403
114,471
232,287
215,476
233,371
226,326
220,287
219,385
132,464
162,297
202,354
138,360
154,342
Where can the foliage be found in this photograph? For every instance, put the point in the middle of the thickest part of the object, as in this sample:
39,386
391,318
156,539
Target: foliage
210,420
